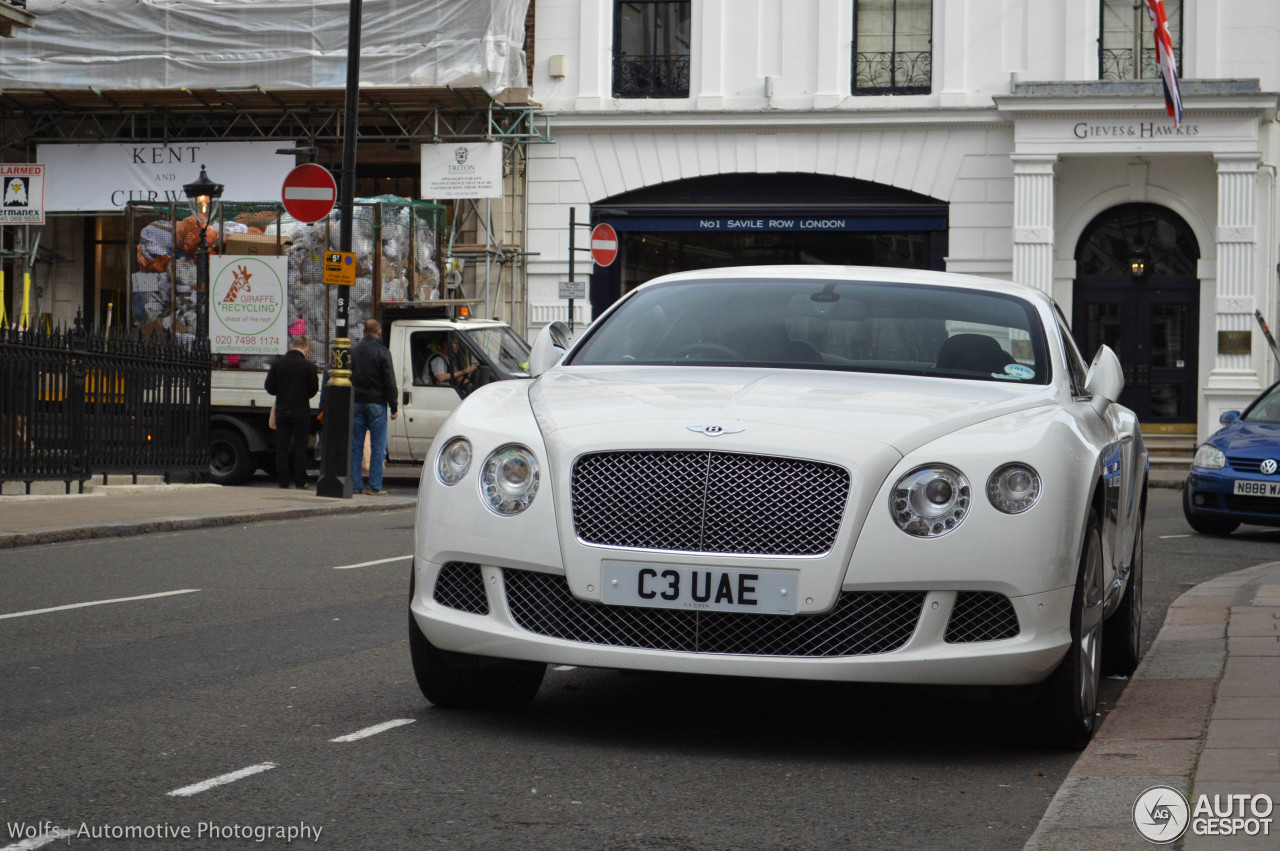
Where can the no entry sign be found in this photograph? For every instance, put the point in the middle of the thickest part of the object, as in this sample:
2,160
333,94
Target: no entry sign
604,244
309,192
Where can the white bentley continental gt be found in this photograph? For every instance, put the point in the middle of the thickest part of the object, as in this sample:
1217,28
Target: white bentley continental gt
806,472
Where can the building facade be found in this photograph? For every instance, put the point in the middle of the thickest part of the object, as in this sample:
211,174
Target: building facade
1006,138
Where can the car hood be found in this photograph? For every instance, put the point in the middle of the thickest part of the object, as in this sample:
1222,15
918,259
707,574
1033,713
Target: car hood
1252,438
904,412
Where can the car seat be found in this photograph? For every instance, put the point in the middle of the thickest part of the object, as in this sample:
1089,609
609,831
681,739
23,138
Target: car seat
973,353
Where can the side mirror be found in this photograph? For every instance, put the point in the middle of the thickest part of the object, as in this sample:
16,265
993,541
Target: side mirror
1228,417
1105,379
548,347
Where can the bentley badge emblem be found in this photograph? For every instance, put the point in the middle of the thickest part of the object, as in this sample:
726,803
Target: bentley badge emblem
1268,466
715,430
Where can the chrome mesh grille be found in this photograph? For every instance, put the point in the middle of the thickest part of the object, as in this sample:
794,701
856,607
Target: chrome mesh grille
708,502
860,624
460,586
981,616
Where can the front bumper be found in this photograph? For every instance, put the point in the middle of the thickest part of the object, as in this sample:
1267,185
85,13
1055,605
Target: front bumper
1210,495
483,621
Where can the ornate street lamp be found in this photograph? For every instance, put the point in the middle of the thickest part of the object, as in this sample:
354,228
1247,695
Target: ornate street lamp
204,196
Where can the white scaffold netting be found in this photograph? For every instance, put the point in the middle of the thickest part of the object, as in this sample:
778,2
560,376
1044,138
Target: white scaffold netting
164,44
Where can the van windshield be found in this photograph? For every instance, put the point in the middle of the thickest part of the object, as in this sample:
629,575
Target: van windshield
503,348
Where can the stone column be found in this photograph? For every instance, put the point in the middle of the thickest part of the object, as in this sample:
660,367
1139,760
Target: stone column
1033,219
1237,270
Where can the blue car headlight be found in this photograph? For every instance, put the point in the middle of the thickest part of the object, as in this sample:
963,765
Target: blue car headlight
1209,458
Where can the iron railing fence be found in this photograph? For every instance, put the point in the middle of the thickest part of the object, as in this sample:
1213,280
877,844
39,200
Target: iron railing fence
651,76
79,402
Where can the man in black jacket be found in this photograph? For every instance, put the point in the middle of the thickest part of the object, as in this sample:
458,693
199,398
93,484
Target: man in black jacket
293,381
374,384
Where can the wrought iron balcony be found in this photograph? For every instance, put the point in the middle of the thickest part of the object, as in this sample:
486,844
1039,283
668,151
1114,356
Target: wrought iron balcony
651,76
1117,64
893,73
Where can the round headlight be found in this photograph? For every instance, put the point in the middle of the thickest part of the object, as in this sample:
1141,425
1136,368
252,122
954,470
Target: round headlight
930,501
454,461
1209,457
1013,488
509,480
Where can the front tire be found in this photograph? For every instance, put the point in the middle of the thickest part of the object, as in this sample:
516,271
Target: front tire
1122,635
464,681
1069,701
1205,525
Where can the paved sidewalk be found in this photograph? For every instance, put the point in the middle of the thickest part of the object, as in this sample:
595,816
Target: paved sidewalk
1201,715
114,511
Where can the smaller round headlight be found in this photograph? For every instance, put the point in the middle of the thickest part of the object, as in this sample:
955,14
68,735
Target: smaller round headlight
930,501
1209,457
454,461
1014,488
509,480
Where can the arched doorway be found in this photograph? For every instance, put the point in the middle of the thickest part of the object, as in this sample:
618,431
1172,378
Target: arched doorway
760,219
1136,290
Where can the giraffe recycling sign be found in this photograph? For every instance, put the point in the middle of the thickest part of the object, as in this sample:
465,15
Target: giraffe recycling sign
248,299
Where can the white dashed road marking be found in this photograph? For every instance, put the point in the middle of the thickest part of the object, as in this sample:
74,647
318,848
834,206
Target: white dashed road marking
372,563
99,603
221,780
374,730
39,841
1167,537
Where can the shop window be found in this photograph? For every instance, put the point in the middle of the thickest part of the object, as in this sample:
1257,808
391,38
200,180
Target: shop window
1126,50
651,48
893,47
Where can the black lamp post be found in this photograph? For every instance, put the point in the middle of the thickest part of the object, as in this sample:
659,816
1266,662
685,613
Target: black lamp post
204,196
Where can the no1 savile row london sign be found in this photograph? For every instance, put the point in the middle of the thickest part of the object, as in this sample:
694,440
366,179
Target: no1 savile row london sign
102,177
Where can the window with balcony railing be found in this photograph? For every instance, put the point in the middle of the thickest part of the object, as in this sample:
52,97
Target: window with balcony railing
651,48
893,47
1126,50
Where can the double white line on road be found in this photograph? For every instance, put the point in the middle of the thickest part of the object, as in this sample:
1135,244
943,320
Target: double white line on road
99,603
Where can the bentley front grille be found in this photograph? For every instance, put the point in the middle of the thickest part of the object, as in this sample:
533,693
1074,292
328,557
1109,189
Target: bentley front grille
460,586
708,502
981,616
860,624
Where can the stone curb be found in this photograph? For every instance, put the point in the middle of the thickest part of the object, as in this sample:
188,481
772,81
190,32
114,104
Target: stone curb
172,524
1156,734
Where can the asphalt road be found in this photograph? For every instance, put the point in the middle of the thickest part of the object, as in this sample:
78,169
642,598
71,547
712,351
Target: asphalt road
232,693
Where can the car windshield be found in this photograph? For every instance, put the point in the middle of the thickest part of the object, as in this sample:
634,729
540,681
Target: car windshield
849,326
503,348
1266,409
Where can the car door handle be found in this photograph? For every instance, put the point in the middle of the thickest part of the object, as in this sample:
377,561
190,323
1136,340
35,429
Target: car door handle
407,397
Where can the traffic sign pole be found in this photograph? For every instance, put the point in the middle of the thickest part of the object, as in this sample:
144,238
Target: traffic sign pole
335,473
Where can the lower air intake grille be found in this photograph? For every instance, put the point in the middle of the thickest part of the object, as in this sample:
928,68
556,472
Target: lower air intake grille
860,623
460,586
981,616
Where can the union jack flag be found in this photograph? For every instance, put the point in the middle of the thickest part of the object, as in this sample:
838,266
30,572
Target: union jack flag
1164,55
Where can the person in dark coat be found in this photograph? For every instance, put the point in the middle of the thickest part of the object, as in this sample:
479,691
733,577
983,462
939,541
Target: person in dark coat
373,382
292,379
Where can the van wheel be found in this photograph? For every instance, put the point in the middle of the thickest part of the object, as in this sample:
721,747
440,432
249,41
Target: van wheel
1069,702
464,681
229,460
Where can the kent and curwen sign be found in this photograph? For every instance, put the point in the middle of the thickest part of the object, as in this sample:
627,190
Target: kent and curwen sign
22,196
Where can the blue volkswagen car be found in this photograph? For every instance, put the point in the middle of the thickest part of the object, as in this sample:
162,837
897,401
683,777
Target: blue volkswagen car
1235,476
